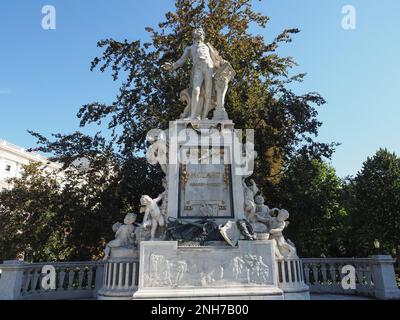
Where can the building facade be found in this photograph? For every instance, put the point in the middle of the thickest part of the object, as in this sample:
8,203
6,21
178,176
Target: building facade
12,160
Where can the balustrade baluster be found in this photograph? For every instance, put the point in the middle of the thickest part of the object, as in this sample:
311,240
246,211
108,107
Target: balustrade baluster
89,278
297,267
62,279
114,280
35,282
360,275
314,270
289,269
120,275
307,273
324,274
332,271
105,276
284,278
81,273
71,276
127,278
27,281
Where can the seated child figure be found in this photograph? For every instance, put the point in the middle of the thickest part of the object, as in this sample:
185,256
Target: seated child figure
262,211
277,225
124,234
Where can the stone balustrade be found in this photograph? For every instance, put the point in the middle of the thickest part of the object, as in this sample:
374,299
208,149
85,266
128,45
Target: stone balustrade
74,280
118,278
121,278
291,278
374,276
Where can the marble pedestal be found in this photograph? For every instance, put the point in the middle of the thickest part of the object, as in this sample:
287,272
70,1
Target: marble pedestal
244,272
120,278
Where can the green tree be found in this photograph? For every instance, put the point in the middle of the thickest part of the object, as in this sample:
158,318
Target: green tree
28,217
373,201
312,193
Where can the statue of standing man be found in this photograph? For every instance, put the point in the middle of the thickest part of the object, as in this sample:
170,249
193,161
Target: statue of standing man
209,79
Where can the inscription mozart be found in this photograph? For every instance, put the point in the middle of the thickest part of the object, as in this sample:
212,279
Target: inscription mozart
205,191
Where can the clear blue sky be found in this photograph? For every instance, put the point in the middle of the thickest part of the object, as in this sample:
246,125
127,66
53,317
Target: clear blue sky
45,76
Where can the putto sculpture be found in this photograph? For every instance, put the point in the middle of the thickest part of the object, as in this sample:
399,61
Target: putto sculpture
277,225
153,218
209,80
124,234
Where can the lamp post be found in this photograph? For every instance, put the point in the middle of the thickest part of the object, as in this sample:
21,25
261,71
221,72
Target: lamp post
377,246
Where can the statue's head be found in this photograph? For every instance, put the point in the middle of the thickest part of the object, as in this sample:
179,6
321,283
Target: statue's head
283,215
145,200
130,218
259,200
199,34
116,226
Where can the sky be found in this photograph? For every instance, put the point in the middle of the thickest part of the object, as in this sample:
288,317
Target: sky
45,75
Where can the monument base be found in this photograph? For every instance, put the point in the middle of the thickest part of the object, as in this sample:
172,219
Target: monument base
249,293
248,271
120,273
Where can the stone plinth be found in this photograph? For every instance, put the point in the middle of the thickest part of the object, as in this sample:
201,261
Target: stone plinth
120,279
203,175
171,272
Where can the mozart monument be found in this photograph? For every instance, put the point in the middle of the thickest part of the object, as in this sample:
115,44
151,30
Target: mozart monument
209,235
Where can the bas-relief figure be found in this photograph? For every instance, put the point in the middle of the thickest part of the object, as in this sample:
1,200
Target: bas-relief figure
124,234
179,273
209,78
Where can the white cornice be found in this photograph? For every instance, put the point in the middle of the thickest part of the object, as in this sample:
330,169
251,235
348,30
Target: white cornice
15,153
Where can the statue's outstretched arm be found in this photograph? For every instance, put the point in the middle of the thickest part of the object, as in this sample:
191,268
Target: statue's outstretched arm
182,59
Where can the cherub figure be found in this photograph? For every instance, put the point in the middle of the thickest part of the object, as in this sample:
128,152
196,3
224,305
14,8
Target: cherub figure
124,234
152,214
157,152
277,225
262,210
249,194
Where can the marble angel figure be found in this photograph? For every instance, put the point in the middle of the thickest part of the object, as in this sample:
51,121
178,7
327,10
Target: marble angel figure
153,217
124,234
277,225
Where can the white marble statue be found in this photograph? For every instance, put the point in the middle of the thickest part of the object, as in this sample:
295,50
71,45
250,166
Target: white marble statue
262,210
124,234
210,78
157,152
277,225
259,217
249,195
153,218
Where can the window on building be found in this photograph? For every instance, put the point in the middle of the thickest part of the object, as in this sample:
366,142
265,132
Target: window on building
8,168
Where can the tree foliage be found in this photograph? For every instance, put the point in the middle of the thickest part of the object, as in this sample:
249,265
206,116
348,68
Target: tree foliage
312,193
373,199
